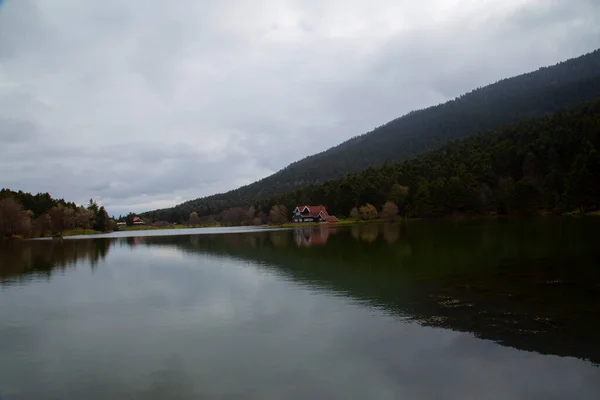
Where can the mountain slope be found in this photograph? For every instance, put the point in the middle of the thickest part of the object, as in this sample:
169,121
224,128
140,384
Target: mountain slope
549,164
510,100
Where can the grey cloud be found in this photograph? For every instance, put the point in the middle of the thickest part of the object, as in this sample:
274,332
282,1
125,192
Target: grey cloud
15,131
142,106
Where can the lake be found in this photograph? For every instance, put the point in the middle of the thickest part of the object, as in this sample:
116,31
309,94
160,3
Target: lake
485,309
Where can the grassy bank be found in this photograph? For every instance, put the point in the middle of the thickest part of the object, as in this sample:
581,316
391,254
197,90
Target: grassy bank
578,213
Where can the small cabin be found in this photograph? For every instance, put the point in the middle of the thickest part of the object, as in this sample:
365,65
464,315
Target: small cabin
306,213
138,221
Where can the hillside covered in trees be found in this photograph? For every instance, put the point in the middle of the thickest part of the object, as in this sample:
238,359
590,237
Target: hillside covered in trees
25,214
546,164
534,94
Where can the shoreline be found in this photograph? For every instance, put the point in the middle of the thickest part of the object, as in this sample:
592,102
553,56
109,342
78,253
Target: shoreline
343,222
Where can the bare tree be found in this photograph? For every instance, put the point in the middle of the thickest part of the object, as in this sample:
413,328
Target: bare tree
389,211
70,218
24,227
161,223
58,215
13,218
278,214
264,218
42,224
233,217
83,218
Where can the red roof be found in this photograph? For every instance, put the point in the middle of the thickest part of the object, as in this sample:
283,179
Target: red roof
314,211
136,219
332,218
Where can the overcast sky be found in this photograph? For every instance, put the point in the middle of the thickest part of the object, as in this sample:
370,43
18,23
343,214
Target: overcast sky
143,104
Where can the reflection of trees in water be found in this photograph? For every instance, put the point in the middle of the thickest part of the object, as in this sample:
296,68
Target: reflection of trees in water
547,305
355,231
526,286
532,287
41,257
280,238
391,232
371,232
132,241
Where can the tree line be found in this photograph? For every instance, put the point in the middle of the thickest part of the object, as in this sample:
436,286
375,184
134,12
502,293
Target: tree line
27,215
549,164
538,93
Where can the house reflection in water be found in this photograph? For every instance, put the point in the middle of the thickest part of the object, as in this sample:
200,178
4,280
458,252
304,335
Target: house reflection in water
312,236
131,241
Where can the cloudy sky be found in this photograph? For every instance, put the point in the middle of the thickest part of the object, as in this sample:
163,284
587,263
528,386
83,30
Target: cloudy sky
143,104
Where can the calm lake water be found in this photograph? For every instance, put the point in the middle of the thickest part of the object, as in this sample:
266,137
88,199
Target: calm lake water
427,310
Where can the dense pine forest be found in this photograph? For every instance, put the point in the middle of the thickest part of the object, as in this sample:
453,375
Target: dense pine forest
534,94
549,164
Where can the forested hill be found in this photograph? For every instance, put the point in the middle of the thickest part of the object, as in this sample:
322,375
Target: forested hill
537,93
547,164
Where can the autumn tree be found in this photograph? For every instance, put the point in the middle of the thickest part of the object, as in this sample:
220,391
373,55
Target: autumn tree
13,220
249,216
233,216
389,211
24,227
193,219
83,218
278,214
10,211
58,216
42,225
70,218
111,225
368,212
260,219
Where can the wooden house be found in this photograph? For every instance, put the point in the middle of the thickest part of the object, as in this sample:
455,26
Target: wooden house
306,213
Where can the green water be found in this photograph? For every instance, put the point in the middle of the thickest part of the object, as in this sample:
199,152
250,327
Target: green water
475,309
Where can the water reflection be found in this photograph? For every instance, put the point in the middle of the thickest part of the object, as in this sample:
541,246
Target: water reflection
313,236
24,260
532,285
